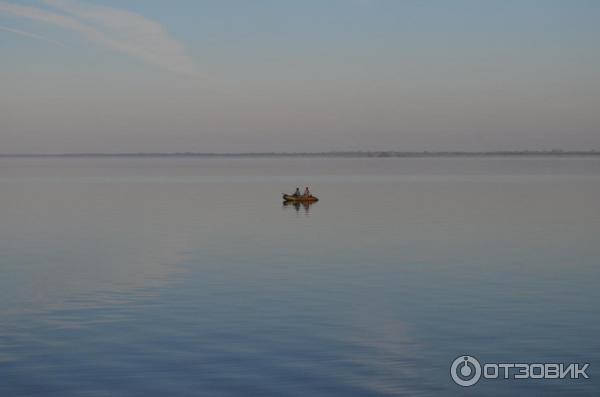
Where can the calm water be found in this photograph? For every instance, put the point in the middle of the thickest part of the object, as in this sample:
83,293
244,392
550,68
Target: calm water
187,277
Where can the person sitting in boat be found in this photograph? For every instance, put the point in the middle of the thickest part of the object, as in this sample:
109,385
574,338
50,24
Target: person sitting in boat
307,192
297,192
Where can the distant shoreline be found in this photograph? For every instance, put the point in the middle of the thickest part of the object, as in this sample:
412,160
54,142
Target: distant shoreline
348,154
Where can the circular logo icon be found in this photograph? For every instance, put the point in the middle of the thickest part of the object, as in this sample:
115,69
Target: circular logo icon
465,371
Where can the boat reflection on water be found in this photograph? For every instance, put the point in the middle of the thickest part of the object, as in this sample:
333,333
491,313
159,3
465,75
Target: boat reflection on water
297,205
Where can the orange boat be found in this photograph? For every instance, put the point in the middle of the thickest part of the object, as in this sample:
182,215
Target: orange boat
302,198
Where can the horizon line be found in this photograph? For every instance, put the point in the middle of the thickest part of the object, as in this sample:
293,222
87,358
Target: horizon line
334,153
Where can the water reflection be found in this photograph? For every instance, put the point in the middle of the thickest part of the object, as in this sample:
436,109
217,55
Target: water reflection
297,205
152,277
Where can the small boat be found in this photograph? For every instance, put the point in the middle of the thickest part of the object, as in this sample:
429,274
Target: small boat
305,199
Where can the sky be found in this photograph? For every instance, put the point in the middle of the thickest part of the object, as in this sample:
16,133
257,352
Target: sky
312,75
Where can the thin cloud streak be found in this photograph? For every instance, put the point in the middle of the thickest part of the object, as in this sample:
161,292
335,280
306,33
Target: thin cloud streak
120,31
32,36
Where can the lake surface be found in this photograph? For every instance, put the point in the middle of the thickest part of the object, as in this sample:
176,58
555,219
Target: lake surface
188,277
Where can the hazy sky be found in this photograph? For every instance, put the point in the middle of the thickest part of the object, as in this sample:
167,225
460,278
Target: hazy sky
305,75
